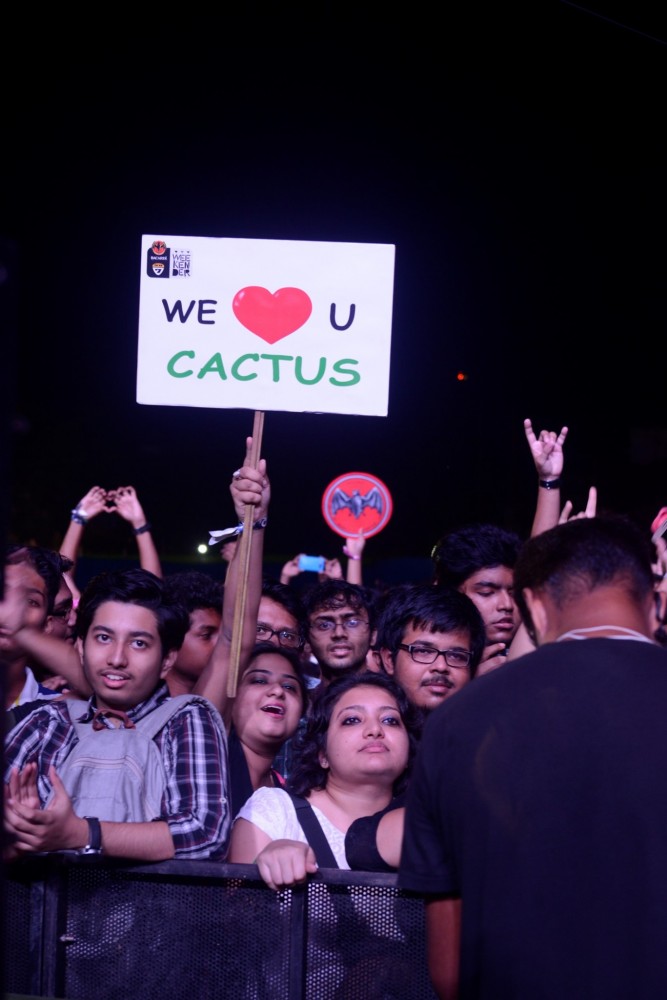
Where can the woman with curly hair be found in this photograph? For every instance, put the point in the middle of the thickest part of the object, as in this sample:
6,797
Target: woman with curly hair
351,761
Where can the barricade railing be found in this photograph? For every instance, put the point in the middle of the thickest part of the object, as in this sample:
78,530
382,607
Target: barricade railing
89,928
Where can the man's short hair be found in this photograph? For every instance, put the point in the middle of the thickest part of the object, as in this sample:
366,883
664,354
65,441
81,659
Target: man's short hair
285,595
433,609
135,586
48,563
194,589
334,594
464,551
579,556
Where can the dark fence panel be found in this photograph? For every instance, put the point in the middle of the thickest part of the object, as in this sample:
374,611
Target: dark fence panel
80,928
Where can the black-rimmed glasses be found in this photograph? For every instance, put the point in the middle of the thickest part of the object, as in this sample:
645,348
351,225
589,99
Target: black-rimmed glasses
292,640
459,659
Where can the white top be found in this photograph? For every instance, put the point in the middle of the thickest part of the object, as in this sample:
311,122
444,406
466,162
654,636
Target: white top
32,690
273,812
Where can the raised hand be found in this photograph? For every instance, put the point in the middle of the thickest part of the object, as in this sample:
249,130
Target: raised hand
547,450
125,502
95,502
354,546
251,486
291,569
591,508
332,570
494,656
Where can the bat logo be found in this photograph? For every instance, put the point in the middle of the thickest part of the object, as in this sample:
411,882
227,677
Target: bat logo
355,502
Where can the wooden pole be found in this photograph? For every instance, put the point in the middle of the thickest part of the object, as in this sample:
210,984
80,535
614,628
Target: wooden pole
244,555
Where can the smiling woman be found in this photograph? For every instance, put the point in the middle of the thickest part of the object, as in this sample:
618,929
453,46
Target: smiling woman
352,760
269,702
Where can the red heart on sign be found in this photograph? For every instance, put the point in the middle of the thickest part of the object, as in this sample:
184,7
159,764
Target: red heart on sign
272,317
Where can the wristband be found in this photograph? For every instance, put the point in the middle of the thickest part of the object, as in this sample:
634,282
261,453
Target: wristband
79,516
94,845
230,533
142,529
550,484
257,526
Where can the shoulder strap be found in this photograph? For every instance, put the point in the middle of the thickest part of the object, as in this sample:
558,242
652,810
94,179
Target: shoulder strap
152,723
313,831
76,708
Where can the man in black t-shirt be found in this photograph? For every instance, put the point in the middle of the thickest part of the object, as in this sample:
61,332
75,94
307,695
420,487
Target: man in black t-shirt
536,824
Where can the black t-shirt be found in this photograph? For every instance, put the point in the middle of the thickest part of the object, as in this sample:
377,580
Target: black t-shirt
539,797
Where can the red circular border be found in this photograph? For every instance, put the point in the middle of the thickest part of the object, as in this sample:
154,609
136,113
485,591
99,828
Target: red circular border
371,524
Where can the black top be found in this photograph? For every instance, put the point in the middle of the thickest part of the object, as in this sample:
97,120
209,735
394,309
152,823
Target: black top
538,796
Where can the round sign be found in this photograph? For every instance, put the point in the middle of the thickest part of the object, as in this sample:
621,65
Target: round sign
357,502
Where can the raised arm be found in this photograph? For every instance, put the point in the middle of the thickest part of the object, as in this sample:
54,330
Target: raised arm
56,656
547,452
332,570
89,506
248,486
354,550
126,503
589,510
291,569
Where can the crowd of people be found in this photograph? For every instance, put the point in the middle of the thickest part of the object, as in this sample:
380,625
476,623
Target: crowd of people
456,732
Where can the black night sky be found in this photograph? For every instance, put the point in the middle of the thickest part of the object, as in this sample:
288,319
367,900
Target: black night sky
517,162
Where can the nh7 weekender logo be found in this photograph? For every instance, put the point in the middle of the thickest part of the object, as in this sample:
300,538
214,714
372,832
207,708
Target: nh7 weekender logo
265,324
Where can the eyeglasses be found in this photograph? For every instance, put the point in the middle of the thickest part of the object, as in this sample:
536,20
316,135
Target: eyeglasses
459,659
329,624
285,638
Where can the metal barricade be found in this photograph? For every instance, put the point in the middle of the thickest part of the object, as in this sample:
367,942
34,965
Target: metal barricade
79,928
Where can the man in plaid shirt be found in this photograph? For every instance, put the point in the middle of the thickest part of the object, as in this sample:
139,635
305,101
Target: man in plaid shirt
129,635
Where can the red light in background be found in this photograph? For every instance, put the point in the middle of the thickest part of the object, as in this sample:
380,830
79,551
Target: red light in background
461,377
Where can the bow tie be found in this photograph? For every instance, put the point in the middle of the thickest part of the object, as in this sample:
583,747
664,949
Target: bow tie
109,713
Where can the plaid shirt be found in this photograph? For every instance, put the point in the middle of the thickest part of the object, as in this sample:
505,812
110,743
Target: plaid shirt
194,750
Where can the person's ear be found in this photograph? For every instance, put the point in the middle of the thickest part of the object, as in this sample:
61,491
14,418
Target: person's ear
387,660
168,662
323,761
539,617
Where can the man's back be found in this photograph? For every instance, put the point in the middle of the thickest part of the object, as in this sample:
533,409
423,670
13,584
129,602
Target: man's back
543,781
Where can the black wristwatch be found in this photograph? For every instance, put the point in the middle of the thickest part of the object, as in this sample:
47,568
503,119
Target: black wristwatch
94,845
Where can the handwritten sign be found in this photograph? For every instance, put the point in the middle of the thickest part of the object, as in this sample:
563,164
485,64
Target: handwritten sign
265,324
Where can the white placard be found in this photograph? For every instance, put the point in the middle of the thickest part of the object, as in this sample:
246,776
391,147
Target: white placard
265,324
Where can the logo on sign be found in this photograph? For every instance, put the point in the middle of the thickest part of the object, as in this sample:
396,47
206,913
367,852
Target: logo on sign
357,502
